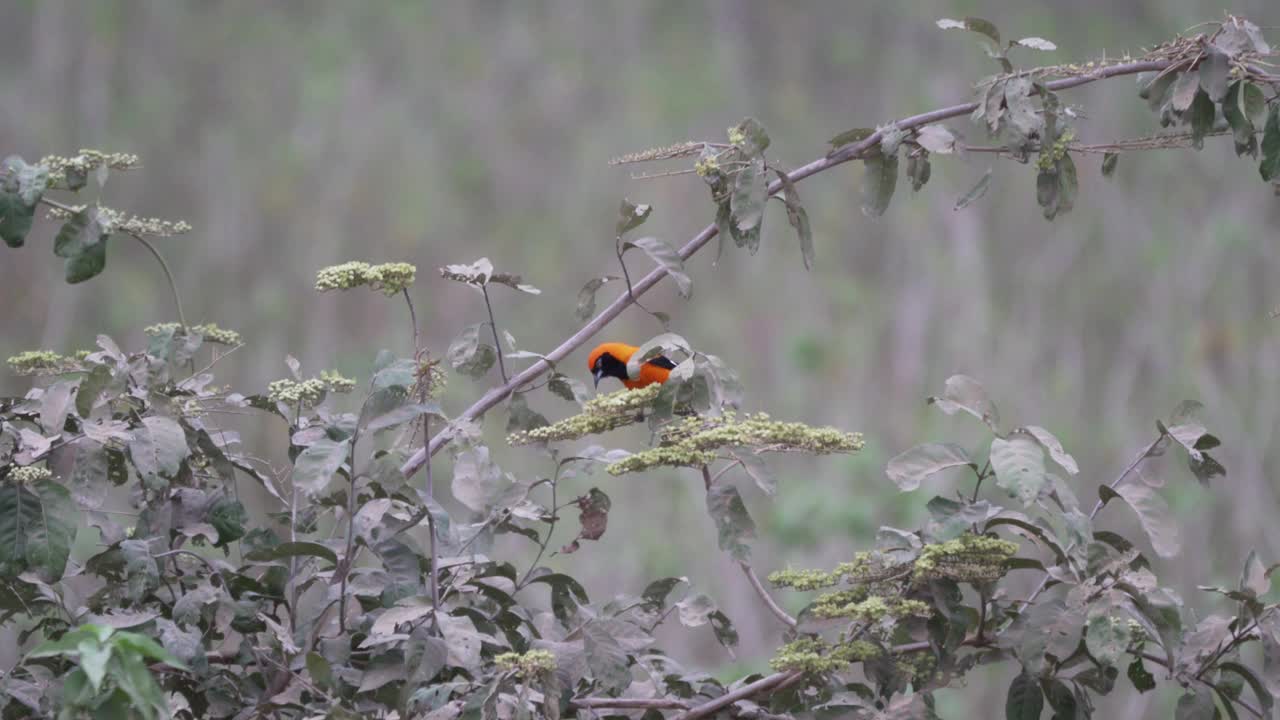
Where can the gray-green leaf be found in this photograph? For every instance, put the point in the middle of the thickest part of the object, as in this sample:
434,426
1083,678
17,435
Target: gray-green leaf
1019,465
909,468
1154,514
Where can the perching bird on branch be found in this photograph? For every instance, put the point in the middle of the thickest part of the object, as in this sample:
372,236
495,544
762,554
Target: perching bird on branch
610,360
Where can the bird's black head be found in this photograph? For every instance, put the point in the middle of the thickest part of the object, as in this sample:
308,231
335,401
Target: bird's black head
608,366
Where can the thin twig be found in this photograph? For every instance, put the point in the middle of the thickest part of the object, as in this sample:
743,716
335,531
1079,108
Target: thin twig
431,524
1097,506
1164,662
413,320
493,325
758,586
623,703
769,683
839,156
546,540
168,275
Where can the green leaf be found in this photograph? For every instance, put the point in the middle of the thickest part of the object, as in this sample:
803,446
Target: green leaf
87,264
963,393
90,388
1184,91
606,658
1155,92
1252,102
1141,678
37,528
1270,165
16,218
469,356
733,525
973,24
1253,579
568,388
661,252
1238,118
1195,704
798,217
93,660
754,140
976,192
521,417
587,296
1259,689
33,180
316,464
1107,638
157,449
1051,443
1063,701
746,204
936,139
1214,70
1024,701
631,216
1269,631
850,136
477,480
1019,466
757,469
918,170
878,183
1202,114
287,550
55,405
909,468
1109,162
1154,514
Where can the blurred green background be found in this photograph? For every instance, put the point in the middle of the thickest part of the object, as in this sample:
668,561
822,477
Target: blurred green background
295,135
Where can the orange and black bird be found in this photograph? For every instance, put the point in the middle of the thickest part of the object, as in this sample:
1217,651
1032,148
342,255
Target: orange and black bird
610,360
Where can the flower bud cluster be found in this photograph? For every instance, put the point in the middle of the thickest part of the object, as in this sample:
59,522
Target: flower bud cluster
599,415
113,221
85,161
527,665
872,608
813,655
759,431
390,278
968,558
29,474
44,362
209,332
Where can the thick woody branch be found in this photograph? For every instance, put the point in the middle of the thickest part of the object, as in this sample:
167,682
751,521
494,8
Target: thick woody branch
853,151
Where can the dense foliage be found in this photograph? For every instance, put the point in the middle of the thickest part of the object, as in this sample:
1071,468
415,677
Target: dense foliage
357,594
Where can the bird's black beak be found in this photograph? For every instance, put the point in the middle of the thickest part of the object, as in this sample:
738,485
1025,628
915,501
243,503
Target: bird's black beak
599,373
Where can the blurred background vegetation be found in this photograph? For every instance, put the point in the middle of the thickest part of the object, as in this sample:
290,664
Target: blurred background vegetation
295,135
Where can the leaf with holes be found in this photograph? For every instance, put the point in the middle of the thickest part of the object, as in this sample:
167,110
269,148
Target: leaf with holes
587,296
158,447
962,392
631,216
733,524
469,356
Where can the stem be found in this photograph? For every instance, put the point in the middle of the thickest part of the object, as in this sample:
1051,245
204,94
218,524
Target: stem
842,155
173,286
413,319
493,325
981,476
1164,662
1097,506
758,586
769,683
431,524
351,535
555,515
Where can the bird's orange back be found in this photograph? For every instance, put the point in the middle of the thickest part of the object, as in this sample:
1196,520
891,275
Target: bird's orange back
650,371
